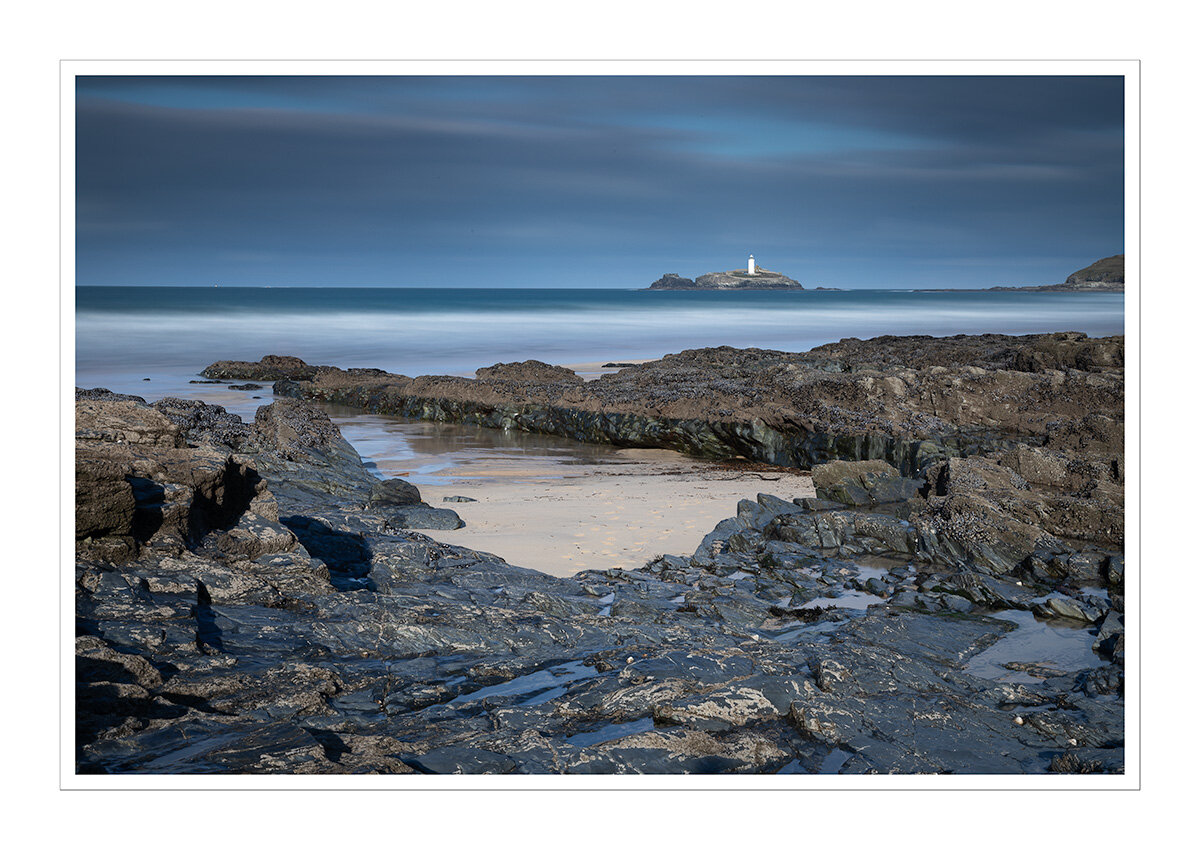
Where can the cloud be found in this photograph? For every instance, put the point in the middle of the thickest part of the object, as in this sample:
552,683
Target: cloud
187,178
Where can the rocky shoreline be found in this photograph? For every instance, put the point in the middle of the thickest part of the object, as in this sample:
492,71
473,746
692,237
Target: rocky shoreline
250,599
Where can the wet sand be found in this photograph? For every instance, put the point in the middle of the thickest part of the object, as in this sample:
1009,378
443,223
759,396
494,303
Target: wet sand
563,518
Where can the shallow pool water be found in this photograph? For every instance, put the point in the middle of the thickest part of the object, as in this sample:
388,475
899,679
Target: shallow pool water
538,684
1060,647
611,732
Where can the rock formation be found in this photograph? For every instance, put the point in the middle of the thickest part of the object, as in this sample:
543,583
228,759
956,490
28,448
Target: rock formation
734,279
248,602
905,400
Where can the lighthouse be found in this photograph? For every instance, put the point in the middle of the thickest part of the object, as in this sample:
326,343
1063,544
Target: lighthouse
750,265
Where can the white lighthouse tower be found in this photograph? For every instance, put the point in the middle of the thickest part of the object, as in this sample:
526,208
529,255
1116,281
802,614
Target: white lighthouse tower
750,265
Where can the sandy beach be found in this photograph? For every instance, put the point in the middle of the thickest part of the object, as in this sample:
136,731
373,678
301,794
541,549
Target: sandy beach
562,518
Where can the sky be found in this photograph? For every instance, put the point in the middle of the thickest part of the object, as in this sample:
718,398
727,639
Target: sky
612,181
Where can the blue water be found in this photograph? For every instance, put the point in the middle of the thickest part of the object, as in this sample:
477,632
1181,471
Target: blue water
126,333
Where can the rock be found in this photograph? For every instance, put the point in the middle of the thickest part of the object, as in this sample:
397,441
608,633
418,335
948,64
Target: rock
673,281
293,625
104,501
423,516
123,420
730,280
395,491
867,482
533,371
273,367
1115,571
852,400
246,387
138,483
290,427
1068,608
458,499
207,423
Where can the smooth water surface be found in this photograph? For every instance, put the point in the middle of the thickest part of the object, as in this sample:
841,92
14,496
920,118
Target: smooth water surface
126,333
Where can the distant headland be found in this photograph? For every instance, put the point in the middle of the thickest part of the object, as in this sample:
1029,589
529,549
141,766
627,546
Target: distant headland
1106,275
751,277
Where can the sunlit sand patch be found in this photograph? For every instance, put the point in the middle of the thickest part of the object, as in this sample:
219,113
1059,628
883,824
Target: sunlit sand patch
551,524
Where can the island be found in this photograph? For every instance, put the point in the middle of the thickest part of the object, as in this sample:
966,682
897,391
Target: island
749,278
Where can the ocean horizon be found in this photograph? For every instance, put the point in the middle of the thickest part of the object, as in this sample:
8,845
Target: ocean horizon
125,334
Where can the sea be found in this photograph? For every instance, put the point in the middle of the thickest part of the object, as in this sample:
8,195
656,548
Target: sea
153,341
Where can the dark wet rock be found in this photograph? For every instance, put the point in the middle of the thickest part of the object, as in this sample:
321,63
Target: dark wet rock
1115,571
1086,760
297,627
1069,608
458,499
273,367
461,760
1110,633
245,387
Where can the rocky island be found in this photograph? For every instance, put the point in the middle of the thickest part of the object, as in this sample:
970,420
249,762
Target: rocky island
250,599
736,279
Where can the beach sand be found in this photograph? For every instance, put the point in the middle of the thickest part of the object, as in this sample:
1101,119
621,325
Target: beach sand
561,518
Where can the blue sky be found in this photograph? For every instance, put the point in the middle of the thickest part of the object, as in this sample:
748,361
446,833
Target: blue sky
595,181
